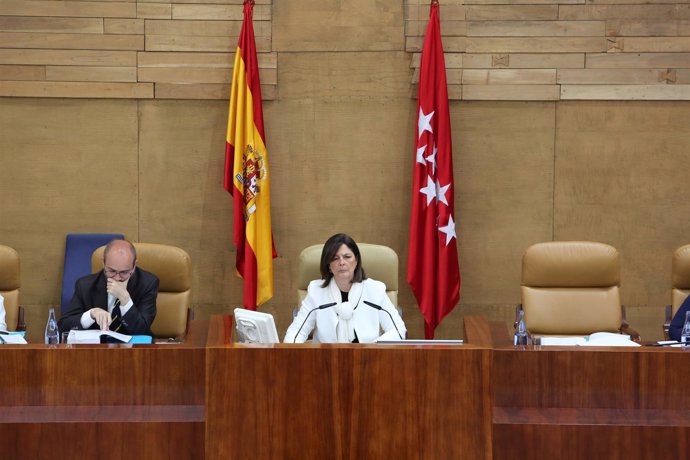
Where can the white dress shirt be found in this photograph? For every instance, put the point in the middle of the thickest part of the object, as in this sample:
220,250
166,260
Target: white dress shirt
87,321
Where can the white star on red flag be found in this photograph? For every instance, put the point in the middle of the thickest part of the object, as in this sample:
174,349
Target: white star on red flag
441,192
449,229
432,159
424,123
429,190
420,154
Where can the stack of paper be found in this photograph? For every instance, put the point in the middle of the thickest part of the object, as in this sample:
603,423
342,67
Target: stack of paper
598,339
10,338
609,339
94,336
563,341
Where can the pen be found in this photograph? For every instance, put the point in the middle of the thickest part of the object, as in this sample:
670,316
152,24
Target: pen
4,333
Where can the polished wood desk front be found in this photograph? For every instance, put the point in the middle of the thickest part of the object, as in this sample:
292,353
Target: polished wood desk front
210,398
586,402
103,401
345,401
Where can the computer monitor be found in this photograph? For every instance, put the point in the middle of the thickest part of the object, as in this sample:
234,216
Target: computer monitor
255,327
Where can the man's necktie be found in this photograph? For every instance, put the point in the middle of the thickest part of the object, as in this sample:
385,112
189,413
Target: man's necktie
116,324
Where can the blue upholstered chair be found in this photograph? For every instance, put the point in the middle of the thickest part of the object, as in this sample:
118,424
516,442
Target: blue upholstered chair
78,250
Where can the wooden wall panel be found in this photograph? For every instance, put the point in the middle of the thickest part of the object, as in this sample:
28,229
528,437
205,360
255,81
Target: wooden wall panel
619,174
123,26
85,34
68,57
504,192
637,60
612,76
626,92
334,25
182,197
76,89
22,72
71,41
76,8
496,34
67,166
535,28
91,73
154,11
332,75
51,24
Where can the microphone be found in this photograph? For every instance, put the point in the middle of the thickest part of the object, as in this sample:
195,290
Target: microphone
320,307
378,307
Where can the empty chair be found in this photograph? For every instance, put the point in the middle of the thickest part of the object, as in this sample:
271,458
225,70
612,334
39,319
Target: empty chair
680,284
572,288
10,285
173,267
78,250
379,262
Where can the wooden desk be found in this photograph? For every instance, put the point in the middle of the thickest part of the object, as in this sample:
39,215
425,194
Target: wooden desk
585,402
345,401
103,401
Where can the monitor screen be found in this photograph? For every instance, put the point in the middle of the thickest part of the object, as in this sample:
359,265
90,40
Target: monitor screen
255,327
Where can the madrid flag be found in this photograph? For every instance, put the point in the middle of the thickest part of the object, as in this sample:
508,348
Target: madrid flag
247,174
432,269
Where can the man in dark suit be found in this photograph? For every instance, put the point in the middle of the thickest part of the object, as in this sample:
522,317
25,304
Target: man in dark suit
121,297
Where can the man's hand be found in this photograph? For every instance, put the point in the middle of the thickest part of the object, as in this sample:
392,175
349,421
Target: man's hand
118,289
102,317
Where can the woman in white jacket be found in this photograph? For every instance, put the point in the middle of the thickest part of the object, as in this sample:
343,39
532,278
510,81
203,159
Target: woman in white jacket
344,306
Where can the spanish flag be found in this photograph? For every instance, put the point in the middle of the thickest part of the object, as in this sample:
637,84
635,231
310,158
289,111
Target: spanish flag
247,173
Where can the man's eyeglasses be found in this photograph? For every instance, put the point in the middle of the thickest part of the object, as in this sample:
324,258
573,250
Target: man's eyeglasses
110,273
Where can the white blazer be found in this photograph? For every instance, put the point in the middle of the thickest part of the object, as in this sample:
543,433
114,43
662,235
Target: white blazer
367,320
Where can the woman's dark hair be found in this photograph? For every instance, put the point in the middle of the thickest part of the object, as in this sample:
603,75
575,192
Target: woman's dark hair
330,248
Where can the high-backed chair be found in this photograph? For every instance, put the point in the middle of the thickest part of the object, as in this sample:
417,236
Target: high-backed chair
10,285
680,284
173,267
379,262
78,250
572,288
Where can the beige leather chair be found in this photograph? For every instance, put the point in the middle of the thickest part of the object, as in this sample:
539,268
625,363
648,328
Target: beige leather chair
572,288
173,267
10,284
680,284
379,263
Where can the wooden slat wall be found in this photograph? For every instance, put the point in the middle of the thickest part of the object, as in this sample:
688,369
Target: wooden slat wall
495,49
548,50
143,49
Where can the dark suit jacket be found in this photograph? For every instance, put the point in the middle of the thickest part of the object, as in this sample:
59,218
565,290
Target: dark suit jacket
90,291
678,320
